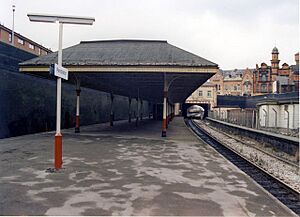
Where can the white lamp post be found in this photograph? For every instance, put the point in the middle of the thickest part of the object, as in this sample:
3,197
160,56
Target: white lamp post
61,19
13,27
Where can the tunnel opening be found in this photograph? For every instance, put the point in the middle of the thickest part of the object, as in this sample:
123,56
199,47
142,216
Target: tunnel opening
185,107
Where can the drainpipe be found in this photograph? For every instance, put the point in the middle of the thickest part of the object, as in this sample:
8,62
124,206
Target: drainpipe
294,116
257,118
111,117
149,110
275,117
138,107
129,110
252,122
141,118
288,116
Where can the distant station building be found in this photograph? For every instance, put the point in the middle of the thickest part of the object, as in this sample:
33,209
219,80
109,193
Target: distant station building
22,42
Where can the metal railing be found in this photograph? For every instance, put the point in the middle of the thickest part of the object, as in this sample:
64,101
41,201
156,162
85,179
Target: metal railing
250,118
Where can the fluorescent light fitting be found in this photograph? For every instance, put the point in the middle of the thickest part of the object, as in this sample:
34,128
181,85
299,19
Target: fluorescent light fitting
52,18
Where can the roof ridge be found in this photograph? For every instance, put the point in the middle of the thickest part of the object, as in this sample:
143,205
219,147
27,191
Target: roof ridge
124,40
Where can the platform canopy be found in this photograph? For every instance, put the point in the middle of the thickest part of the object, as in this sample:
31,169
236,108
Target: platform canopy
130,68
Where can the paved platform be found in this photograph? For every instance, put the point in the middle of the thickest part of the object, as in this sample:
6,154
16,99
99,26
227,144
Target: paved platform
124,170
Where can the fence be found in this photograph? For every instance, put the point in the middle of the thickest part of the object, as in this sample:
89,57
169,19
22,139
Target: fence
242,117
252,119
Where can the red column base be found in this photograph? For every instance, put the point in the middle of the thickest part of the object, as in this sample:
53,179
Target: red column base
167,121
77,128
164,128
58,151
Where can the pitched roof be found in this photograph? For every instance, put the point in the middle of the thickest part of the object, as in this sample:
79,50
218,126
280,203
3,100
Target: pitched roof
295,69
124,53
25,38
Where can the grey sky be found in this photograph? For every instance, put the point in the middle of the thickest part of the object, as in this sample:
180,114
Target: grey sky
231,33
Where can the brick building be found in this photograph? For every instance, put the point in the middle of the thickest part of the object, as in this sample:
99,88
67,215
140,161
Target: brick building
273,79
218,80
205,94
237,82
247,83
22,42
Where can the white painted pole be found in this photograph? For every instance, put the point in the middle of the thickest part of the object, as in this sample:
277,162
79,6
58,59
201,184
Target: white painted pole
69,20
77,125
58,136
138,107
13,27
58,96
164,123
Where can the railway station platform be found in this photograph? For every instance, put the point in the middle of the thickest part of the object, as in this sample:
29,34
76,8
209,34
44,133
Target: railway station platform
126,170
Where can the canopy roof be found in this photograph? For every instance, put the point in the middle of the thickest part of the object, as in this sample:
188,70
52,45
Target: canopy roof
130,68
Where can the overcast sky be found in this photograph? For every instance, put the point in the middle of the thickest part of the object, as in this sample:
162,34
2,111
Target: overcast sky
231,33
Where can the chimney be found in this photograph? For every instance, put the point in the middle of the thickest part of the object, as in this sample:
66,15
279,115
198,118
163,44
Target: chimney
297,58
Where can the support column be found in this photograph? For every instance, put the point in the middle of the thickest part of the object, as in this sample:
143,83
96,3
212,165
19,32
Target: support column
111,117
164,122
168,118
172,112
155,112
129,110
138,112
58,136
141,115
77,127
149,110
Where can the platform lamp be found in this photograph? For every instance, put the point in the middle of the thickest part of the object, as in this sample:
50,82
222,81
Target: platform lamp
60,19
13,26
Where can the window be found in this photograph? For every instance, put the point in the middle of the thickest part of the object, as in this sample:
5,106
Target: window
31,46
9,37
238,87
263,88
200,93
39,49
20,41
235,87
209,93
219,87
264,76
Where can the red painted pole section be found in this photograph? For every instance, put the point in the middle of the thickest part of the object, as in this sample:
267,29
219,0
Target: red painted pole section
164,123
58,151
164,128
77,124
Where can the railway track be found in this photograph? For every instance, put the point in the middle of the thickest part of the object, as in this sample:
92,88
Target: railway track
284,193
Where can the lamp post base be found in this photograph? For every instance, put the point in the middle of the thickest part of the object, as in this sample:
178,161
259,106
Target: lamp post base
58,151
